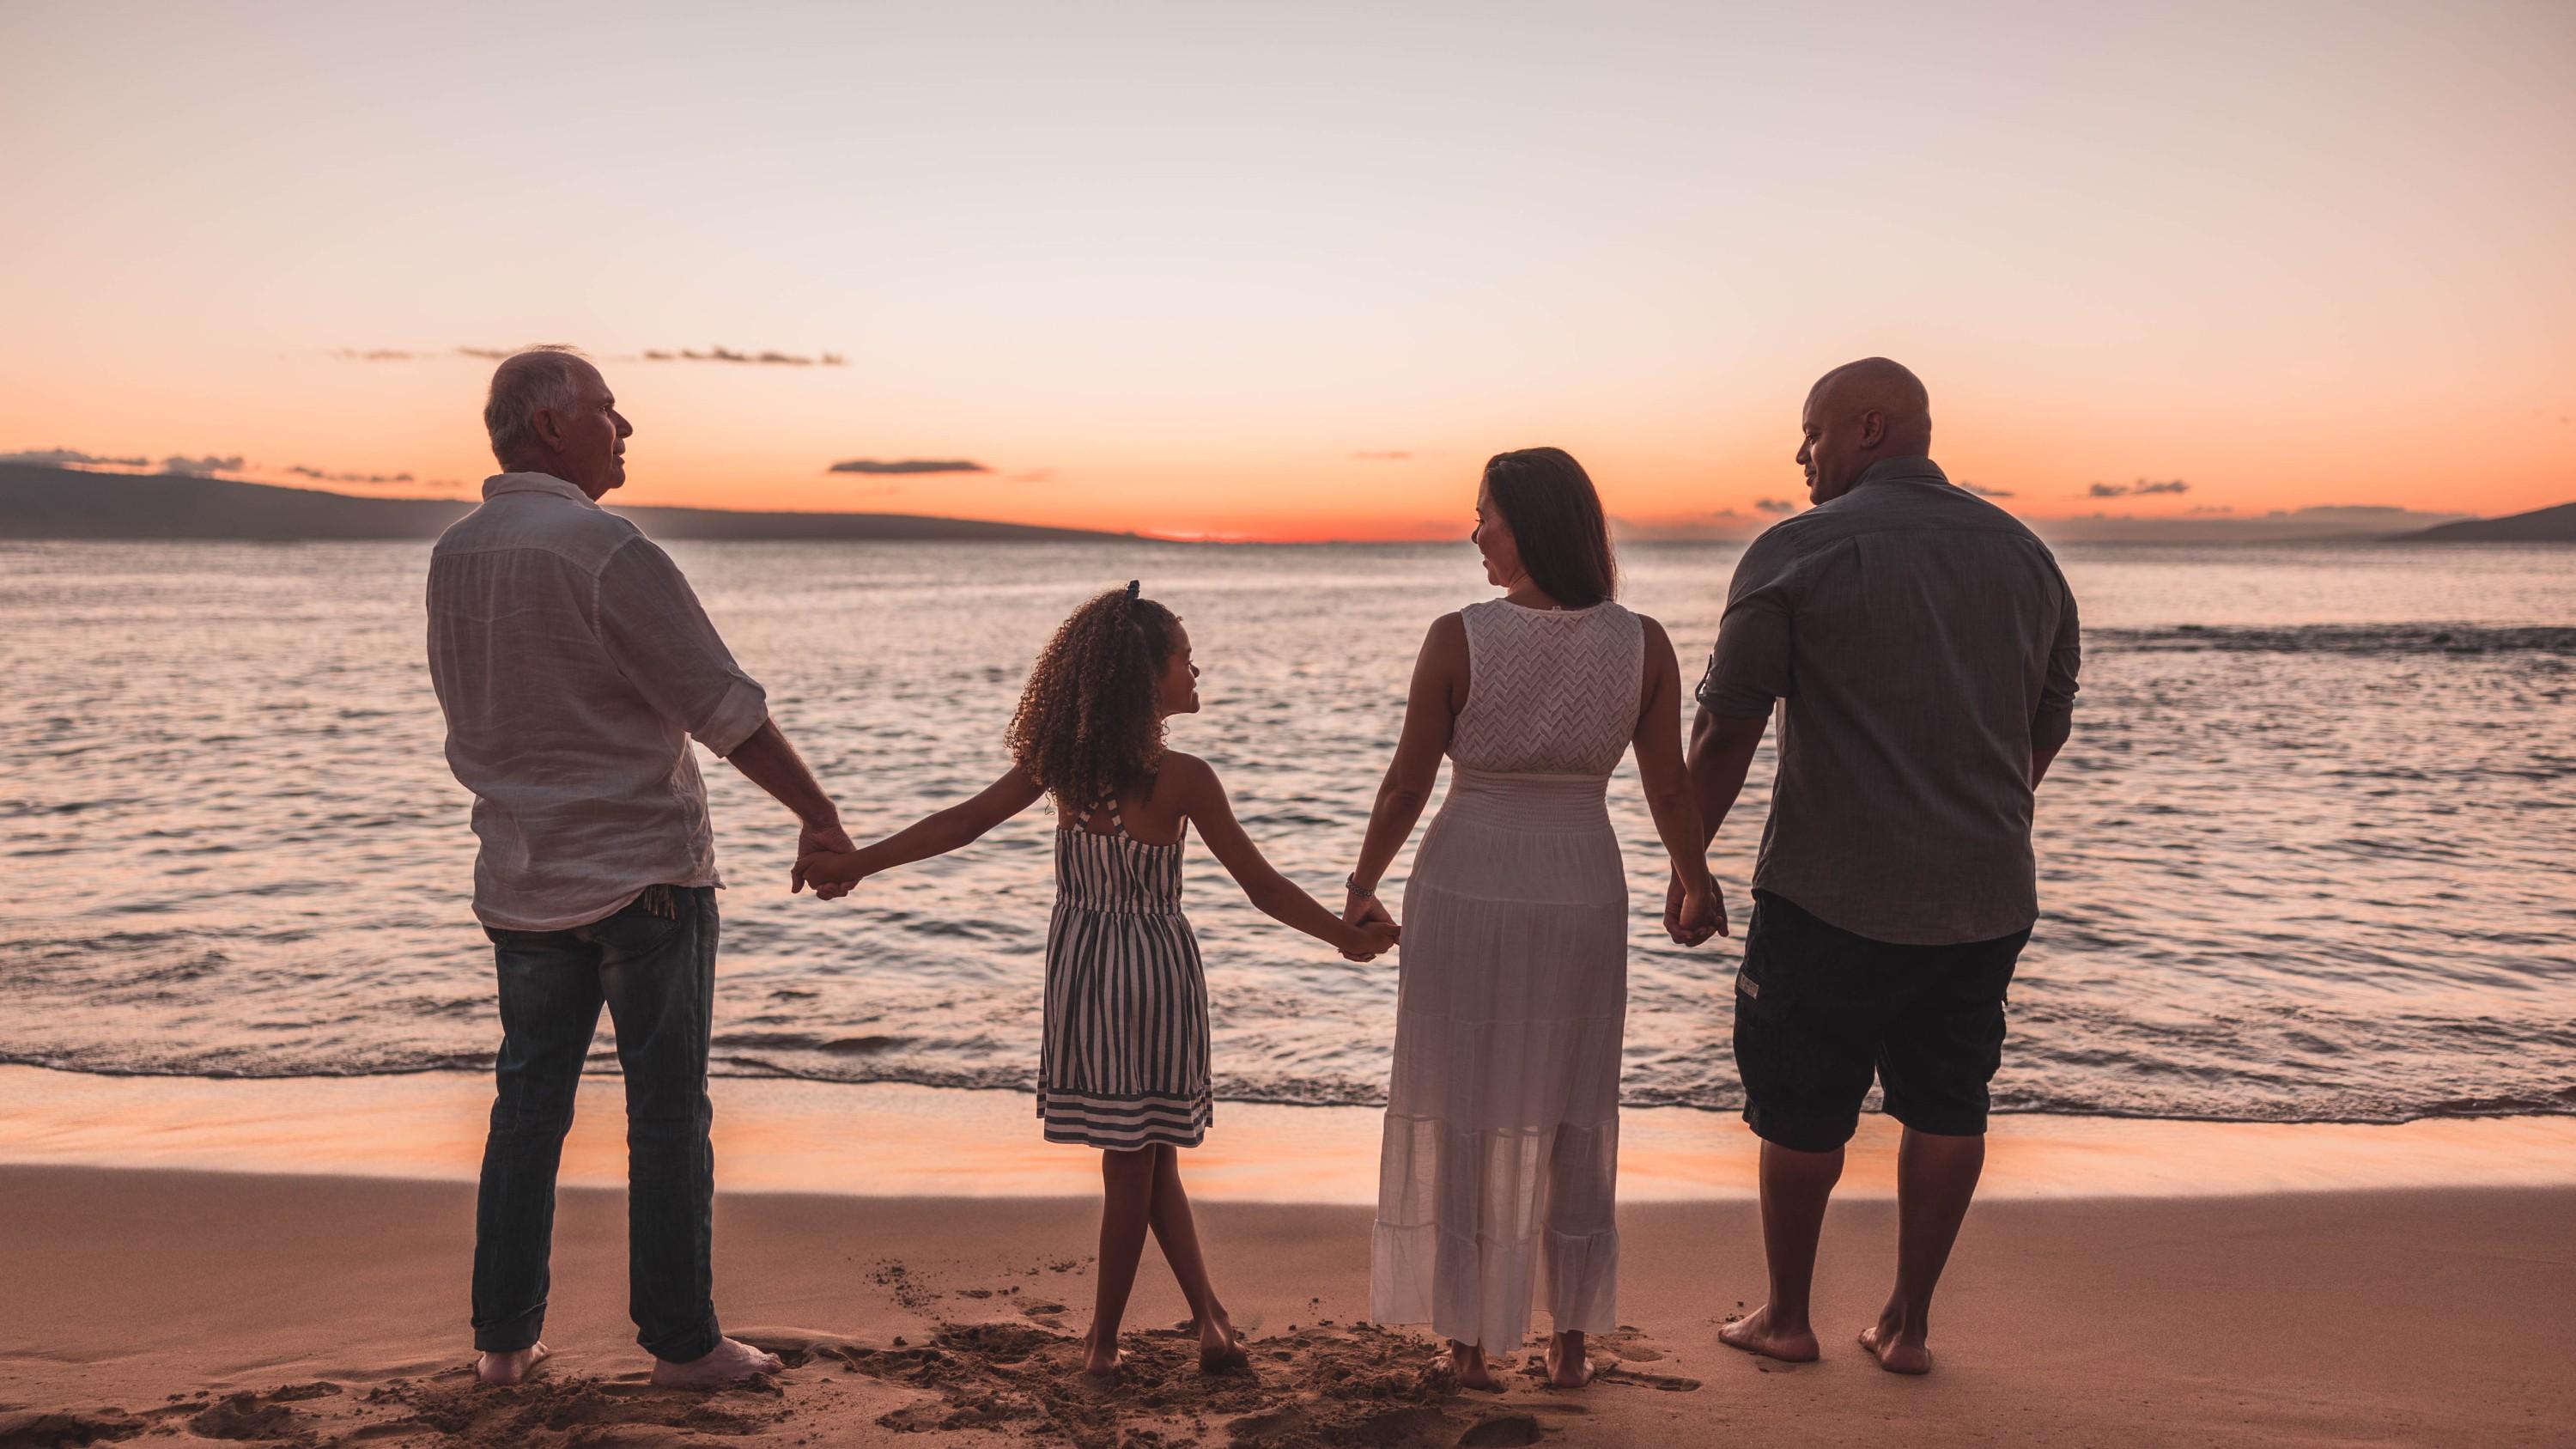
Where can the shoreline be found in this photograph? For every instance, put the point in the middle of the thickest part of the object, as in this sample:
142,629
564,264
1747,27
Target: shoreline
783,1134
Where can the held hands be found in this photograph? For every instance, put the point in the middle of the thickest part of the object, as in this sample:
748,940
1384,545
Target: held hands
1690,917
823,861
1376,927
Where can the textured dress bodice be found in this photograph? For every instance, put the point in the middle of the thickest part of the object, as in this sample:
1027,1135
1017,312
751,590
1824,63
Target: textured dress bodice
1549,692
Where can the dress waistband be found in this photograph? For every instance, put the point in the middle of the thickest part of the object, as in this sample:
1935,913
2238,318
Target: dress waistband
1528,802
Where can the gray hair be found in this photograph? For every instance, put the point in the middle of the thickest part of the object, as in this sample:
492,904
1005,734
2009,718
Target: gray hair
547,376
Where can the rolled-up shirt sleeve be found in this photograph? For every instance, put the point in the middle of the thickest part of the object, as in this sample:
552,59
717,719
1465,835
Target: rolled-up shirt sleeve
1750,666
660,638
2055,718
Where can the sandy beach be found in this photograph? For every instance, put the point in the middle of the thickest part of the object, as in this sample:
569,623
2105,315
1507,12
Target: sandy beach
175,1305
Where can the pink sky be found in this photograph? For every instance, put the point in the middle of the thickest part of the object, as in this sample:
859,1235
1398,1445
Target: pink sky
1297,272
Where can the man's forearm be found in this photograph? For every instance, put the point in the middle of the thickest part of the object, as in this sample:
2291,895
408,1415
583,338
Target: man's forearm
1721,752
769,761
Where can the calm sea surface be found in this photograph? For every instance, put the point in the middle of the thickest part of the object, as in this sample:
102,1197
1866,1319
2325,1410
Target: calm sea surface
2307,856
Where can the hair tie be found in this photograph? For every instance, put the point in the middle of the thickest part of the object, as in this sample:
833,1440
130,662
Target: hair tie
1131,591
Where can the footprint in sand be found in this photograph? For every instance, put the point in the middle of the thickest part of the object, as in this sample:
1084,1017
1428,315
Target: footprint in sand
1502,1430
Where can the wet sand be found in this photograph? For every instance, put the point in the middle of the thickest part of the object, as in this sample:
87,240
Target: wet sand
206,1307
887,1140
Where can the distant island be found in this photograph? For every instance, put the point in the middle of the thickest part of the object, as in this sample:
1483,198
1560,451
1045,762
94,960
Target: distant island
39,502
2540,525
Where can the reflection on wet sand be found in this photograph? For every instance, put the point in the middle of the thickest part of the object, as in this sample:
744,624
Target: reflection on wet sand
888,1140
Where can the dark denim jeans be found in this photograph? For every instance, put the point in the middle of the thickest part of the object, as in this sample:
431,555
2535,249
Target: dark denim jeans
653,964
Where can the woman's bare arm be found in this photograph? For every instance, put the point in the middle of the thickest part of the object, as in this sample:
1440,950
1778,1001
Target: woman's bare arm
935,834
1669,798
1430,712
1281,899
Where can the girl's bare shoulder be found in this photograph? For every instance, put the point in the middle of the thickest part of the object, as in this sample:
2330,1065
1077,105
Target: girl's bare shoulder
1182,772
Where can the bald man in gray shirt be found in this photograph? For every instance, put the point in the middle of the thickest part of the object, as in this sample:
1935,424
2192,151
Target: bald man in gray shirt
1921,648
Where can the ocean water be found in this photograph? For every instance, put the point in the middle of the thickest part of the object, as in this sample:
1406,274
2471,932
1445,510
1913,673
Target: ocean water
2307,856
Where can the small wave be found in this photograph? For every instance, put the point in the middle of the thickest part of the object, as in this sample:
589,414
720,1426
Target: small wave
2340,639
1312,1092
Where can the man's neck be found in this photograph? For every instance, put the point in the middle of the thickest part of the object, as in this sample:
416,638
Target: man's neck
548,470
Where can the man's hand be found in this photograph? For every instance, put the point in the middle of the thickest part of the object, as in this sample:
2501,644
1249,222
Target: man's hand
1690,919
815,839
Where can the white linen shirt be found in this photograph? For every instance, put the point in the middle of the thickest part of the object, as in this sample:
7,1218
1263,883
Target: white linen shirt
574,665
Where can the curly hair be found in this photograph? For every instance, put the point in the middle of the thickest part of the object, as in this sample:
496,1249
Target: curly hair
1088,728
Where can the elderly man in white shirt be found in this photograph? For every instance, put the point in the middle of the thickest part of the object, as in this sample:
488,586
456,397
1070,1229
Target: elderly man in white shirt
574,666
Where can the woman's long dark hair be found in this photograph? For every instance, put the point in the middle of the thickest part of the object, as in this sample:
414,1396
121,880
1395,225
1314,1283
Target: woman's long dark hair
1548,502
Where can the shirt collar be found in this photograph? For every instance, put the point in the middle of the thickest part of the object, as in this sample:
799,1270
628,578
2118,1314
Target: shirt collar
1901,470
500,483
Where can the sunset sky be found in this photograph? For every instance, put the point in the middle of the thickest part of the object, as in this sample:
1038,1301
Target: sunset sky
1294,271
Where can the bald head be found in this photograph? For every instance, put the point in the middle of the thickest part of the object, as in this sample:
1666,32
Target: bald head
1858,414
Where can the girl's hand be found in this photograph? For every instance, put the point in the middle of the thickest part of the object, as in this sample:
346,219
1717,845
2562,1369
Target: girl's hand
1361,907
1371,939
821,868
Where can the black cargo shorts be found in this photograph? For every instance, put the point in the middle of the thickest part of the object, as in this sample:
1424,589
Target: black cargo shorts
1819,1012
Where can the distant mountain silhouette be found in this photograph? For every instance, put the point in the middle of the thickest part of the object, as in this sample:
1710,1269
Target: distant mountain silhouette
38,502
2540,525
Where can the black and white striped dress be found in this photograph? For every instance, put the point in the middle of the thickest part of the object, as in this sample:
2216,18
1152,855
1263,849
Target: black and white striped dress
1124,1060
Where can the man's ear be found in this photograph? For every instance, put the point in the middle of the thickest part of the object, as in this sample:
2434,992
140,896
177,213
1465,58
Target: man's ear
1873,428
547,427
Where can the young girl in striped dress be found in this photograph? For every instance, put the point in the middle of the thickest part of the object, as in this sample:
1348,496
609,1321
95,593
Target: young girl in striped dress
1124,1061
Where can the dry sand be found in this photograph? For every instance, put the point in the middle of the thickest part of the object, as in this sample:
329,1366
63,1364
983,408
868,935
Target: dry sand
174,1307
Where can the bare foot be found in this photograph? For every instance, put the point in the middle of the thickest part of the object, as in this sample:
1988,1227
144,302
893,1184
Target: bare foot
1220,1345
1099,1358
1468,1362
502,1369
1753,1333
1898,1353
729,1363
1567,1368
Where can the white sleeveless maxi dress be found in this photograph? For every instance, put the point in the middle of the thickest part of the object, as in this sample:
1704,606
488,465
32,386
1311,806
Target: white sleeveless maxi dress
1501,1155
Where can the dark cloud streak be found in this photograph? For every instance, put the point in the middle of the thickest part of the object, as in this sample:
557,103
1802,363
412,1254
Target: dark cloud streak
767,357
378,479
727,354
205,467
71,458
906,465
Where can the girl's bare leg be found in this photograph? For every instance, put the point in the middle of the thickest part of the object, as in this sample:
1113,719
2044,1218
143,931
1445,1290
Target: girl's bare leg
1179,1236
1127,1191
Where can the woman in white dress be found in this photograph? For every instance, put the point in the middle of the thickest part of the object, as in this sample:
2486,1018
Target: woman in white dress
1497,1183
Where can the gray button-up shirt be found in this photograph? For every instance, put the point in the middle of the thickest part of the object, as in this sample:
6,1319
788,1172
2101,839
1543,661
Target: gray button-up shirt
1922,645
574,665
